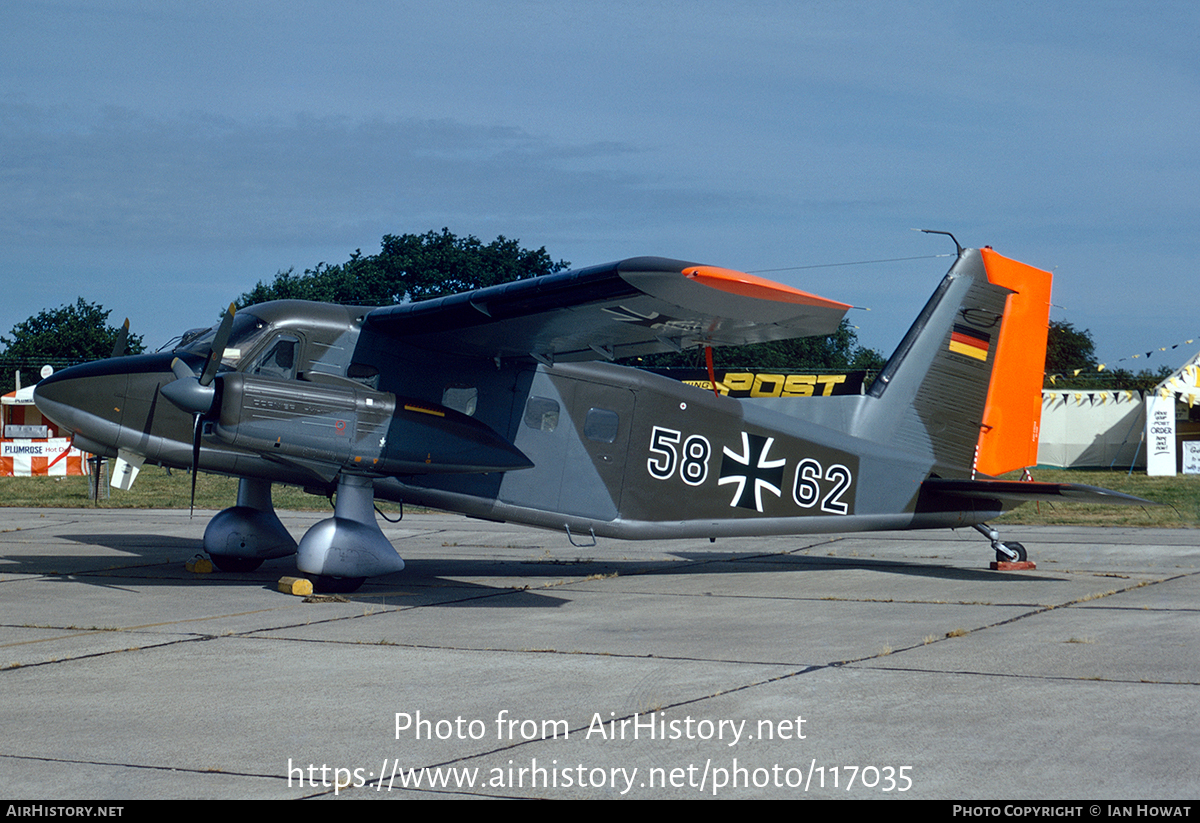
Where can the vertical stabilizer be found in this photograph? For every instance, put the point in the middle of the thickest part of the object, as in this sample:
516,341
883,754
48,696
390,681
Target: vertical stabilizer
964,386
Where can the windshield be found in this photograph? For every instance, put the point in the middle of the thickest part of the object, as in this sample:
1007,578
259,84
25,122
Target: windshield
246,331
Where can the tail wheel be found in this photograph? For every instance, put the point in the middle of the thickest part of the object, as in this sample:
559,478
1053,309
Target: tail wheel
1001,557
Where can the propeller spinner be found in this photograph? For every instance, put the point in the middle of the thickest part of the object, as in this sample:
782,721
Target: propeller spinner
196,394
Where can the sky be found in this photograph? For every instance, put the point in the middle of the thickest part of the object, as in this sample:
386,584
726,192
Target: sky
162,158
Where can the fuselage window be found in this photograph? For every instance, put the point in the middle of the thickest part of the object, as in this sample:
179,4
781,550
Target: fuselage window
541,413
601,425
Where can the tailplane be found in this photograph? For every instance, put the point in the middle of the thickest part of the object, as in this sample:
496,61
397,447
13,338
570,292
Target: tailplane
965,382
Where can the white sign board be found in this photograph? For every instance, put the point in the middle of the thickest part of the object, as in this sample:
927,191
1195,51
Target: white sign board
35,448
1191,456
26,432
1160,434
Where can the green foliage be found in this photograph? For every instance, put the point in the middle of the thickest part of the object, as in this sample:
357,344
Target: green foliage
1070,350
422,266
61,337
839,351
409,267
1115,379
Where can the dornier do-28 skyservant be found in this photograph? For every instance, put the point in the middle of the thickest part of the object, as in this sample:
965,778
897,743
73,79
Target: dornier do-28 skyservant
499,403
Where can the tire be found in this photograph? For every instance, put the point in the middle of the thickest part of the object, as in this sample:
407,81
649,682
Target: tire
235,565
1001,557
336,585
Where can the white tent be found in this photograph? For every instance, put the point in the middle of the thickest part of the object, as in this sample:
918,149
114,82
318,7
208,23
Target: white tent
1101,428
1091,428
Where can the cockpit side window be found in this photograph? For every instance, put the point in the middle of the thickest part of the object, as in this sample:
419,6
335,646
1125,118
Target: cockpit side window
279,359
461,398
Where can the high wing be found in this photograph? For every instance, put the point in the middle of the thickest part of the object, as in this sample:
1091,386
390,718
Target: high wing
633,307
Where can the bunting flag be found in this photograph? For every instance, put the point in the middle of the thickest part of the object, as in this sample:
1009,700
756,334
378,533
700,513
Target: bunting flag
1063,397
1102,366
1160,348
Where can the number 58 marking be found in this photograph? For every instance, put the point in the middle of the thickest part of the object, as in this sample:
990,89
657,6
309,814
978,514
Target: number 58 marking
664,445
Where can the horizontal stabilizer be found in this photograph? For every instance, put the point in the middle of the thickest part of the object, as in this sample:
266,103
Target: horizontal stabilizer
1021,491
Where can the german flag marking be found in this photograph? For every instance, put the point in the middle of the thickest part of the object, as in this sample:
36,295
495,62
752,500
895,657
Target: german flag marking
970,342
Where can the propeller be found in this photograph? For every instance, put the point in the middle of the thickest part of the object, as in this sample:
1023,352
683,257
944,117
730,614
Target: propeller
122,340
197,394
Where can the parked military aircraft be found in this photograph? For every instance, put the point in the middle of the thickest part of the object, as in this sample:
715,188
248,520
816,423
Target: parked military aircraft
492,403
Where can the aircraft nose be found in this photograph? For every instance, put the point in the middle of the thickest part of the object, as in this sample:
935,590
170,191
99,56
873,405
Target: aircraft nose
81,399
88,400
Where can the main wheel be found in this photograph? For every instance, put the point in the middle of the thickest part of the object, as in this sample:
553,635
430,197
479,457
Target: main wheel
1001,557
235,564
325,584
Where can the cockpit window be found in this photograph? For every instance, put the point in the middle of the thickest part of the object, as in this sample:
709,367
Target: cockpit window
279,360
246,331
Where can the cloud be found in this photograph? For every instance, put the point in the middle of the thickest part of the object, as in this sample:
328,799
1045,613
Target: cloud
117,178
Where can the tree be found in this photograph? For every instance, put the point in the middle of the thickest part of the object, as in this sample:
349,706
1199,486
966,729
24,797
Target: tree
61,337
1068,349
423,266
409,267
1144,381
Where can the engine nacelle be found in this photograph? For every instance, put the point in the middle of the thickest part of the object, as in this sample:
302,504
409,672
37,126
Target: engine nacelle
356,428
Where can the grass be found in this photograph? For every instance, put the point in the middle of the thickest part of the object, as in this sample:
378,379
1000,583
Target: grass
1180,496
153,489
157,489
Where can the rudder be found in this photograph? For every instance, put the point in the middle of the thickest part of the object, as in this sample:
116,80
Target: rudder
1013,414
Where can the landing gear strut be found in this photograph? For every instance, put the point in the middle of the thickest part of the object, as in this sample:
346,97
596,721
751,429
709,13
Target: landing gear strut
240,538
342,550
1005,552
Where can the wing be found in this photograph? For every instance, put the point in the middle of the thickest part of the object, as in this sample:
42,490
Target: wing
633,307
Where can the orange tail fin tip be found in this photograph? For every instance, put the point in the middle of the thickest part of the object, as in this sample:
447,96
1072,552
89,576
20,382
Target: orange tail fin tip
1012,416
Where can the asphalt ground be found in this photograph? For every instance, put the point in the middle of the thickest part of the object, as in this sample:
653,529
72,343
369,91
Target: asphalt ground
848,666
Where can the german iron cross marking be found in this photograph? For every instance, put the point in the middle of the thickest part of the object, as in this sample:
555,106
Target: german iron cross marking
752,470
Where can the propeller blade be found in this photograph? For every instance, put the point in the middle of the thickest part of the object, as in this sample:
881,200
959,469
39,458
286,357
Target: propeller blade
218,347
122,340
182,372
197,428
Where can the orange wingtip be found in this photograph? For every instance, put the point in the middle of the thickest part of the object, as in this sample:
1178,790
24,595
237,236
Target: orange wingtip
748,285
